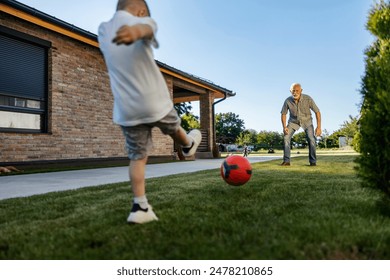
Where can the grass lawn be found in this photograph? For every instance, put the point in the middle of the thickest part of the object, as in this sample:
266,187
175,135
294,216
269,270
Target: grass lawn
296,212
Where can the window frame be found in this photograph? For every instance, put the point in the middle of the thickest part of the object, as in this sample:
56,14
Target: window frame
44,111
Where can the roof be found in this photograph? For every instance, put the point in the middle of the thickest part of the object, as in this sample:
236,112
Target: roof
35,16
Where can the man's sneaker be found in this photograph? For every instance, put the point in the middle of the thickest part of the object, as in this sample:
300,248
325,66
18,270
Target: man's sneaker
196,137
141,216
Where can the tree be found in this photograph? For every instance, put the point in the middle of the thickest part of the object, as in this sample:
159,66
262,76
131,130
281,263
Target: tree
183,108
243,139
190,121
323,143
228,127
374,162
247,137
349,128
300,139
332,141
252,135
269,139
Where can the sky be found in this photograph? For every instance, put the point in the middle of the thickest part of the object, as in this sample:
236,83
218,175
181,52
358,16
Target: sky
256,48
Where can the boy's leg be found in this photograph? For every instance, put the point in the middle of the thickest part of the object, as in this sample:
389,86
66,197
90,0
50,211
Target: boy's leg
141,211
189,142
137,176
138,143
181,137
170,125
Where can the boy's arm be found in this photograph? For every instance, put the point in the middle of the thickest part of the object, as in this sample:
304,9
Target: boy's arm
129,34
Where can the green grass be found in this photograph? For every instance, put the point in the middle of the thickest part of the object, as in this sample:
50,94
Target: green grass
296,212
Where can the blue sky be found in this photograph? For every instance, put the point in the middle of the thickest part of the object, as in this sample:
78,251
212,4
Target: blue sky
256,48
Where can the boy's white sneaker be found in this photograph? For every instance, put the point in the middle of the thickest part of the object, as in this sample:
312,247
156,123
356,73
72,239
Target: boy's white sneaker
139,215
196,137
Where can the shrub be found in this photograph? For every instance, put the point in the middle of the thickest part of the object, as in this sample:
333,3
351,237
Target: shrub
374,163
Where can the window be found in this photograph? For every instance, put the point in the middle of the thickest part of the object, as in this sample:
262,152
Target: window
23,82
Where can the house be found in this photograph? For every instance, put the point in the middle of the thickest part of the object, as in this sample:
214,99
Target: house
55,99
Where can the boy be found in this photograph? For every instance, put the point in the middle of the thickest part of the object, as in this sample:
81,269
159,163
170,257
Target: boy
141,97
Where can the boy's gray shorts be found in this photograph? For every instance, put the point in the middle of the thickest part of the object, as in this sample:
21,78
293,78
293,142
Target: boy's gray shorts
139,138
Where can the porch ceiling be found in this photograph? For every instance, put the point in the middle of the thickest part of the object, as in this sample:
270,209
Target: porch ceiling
188,87
187,91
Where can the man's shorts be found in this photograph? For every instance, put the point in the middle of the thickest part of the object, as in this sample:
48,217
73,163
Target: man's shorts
139,138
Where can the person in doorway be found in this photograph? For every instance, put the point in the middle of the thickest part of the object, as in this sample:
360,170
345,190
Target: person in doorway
300,106
141,97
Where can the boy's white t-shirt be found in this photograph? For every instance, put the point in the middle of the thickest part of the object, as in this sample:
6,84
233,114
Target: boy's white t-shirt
140,92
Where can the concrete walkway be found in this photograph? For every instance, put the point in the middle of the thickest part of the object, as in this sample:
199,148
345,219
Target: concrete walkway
32,184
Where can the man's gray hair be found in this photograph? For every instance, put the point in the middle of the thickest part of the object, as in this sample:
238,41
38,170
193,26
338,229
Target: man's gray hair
295,84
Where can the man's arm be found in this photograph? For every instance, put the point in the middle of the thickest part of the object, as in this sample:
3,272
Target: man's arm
129,34
318,129
285,128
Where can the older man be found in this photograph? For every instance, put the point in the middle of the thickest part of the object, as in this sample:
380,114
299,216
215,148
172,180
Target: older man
299,106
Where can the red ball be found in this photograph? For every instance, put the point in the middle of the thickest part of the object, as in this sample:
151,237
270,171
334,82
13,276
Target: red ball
236,170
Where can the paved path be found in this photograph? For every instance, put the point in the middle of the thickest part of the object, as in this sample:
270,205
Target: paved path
32,184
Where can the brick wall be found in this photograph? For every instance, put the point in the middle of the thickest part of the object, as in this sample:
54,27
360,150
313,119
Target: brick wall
206,104
80,106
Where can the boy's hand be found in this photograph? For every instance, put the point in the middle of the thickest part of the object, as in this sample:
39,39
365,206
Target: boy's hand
129,34
126,35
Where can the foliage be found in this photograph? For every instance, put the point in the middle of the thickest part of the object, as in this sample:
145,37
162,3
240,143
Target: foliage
252,136
282,214
183,108
375,113
243,139
269,139
379,21
324,140
228,127
332,141
349,129
190,121
230,130
300,139
247,137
